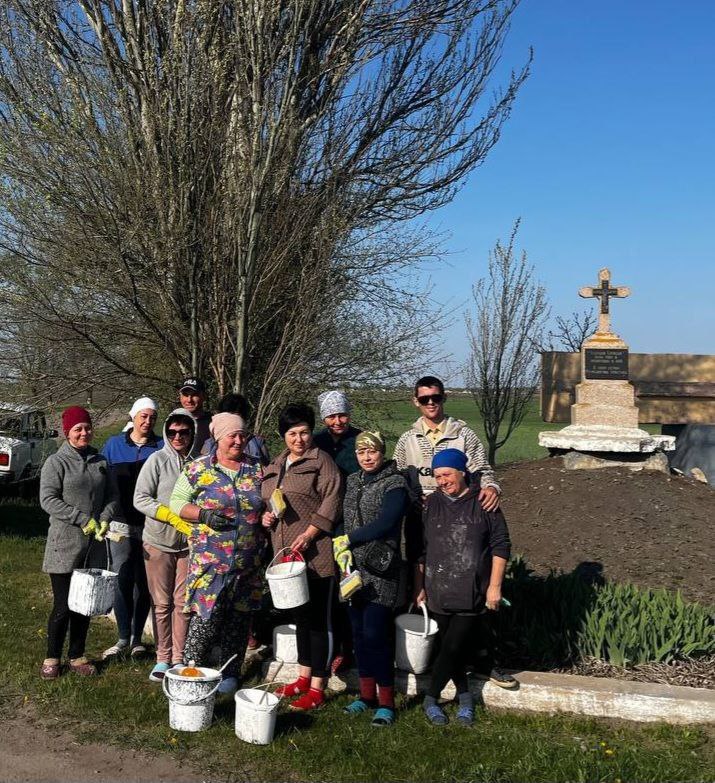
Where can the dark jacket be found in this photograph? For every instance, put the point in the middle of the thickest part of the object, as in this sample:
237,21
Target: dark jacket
75,488
342,452
374,506
460,539
126,459
313,491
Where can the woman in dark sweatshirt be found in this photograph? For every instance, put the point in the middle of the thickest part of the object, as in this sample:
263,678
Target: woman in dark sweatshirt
375,503
460,575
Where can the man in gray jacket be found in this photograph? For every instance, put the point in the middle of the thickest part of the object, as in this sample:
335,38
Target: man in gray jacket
431,433
166,551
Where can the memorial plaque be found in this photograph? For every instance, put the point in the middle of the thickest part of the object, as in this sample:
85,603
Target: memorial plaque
607,364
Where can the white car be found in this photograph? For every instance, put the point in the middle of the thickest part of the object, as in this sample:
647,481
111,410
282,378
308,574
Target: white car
25,442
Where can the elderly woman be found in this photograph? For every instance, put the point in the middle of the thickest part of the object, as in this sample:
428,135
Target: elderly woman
460,575
80,495
126,453
375,502
166,550
220,496
311,487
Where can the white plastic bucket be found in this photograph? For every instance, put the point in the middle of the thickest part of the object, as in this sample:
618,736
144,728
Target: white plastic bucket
414,640
288,582
191,699
256,712
92,591
285,643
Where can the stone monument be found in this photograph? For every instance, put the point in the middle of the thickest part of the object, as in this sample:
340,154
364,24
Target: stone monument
604,419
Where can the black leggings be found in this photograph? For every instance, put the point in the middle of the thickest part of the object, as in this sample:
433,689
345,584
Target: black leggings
61,618
456,635
314,627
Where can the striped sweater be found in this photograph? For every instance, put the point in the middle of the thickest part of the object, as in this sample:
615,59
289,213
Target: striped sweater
414,452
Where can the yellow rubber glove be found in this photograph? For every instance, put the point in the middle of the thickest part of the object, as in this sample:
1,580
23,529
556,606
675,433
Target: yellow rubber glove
165,514
340,544
101,529
90,527
344,560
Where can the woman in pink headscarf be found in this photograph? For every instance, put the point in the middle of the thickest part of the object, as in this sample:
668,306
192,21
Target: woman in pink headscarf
219,495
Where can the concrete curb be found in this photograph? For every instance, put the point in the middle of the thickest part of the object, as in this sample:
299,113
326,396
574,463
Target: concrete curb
544,692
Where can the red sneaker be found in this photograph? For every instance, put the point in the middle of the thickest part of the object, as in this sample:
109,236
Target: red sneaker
312,700
301,685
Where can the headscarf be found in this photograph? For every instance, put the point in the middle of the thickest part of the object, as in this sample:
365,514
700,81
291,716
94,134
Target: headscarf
370,440
223,424
142,404
332,402
450,458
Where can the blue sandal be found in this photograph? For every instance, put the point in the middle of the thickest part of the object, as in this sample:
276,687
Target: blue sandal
356,707
384,716
465,716
435,715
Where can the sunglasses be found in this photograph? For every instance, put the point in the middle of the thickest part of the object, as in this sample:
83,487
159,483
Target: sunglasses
178,433
426,399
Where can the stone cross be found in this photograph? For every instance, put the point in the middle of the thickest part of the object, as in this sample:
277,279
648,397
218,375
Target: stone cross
604,292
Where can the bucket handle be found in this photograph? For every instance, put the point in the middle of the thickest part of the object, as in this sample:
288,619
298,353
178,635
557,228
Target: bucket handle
189,702
422,606
269,682
286,549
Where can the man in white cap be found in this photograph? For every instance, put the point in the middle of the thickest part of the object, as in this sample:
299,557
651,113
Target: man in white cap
338,437
126,453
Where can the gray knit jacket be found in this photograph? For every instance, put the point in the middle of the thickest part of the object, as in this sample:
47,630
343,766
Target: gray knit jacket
73,490
155,484
383,590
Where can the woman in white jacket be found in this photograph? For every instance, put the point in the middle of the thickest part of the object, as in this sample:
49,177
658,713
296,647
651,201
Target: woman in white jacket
166,550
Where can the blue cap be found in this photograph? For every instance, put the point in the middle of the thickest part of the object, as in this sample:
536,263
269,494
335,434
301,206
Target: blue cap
450,458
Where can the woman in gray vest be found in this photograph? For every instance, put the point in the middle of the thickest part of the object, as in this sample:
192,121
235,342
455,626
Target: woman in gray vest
375,502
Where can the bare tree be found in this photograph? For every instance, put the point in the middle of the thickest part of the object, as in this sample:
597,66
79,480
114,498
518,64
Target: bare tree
569,333
191,185
505,333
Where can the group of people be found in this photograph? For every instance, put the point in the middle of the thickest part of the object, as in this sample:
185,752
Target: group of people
190,521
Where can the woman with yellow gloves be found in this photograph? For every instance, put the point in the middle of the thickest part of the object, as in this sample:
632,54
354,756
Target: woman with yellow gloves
80,495
166,549
375,503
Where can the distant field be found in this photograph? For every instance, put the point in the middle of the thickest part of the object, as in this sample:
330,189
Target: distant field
394,416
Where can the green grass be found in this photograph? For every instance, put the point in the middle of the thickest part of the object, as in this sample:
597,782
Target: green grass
122,707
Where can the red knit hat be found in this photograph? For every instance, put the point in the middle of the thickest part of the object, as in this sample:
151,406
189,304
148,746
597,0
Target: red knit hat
74,415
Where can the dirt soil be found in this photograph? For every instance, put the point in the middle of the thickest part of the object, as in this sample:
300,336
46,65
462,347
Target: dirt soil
648,528
45,750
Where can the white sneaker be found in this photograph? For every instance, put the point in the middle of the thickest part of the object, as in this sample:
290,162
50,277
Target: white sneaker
115,650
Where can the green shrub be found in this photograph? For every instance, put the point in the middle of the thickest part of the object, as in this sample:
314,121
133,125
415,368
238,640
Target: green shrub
628,625
560,619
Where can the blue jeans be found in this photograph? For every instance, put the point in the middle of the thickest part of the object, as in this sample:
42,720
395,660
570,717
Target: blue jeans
132,603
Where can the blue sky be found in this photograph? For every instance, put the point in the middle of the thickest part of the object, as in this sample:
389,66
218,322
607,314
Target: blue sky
608,160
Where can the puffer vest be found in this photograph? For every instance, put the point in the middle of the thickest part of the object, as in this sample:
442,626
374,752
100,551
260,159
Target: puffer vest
367,498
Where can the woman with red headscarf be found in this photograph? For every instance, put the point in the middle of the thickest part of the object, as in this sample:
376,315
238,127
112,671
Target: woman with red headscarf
79,494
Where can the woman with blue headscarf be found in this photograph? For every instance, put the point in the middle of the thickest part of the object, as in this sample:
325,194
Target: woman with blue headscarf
459,575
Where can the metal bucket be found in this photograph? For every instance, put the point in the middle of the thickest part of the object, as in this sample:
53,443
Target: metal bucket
191,699
414,640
